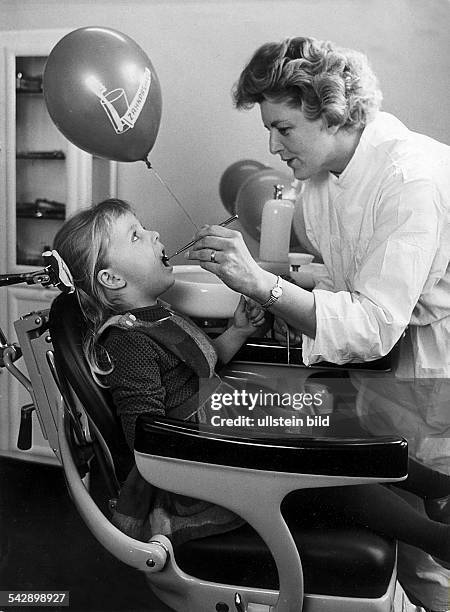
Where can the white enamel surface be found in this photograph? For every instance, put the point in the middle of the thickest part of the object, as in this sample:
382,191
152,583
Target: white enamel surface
199,293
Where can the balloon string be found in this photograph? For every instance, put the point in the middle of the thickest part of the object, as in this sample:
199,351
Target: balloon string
150,167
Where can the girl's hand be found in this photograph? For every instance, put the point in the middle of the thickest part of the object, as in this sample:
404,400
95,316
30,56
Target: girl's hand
248,316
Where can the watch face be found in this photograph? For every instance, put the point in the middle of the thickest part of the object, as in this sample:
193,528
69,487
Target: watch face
277,292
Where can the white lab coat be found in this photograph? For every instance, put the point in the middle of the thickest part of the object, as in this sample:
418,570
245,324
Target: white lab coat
383,230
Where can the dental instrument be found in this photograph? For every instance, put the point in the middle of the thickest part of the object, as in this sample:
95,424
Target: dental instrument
189,244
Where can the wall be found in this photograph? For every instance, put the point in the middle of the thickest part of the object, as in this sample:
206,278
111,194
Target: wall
198,49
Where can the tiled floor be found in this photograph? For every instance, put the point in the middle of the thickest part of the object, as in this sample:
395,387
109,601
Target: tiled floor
50,548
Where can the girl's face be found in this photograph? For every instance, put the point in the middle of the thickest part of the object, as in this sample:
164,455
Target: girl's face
307,146
135,263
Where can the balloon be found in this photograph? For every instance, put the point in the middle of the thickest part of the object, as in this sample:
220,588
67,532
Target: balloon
254,193
232,180
103,94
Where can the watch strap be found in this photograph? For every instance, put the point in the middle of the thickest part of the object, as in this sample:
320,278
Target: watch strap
273,295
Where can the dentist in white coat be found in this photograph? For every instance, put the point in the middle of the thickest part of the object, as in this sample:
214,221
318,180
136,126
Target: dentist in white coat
375,205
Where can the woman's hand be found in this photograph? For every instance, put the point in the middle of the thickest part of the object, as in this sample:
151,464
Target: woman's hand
223,252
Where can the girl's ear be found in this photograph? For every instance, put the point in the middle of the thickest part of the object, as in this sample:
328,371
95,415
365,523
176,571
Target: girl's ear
107,279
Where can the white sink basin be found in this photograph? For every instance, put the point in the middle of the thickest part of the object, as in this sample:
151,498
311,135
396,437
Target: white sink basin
199,293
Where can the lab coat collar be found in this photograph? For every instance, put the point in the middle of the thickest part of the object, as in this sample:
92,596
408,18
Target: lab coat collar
358,163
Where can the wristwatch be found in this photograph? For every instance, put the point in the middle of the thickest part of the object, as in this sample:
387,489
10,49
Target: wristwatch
275,293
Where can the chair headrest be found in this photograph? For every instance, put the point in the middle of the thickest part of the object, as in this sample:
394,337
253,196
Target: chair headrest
67,326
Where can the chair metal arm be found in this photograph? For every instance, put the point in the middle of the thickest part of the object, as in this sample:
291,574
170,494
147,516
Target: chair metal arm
147,557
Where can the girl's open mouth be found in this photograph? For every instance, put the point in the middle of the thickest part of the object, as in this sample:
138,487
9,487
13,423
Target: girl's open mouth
165,259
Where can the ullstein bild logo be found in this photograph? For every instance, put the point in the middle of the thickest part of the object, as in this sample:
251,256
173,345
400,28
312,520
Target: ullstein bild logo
121,114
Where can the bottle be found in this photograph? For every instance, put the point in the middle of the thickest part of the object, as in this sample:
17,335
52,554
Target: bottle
276,224
293,192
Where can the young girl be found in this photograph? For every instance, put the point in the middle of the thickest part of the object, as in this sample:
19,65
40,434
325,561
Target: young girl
152,359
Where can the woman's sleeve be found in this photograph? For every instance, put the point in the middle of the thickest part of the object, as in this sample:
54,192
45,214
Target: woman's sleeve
135,382
390,273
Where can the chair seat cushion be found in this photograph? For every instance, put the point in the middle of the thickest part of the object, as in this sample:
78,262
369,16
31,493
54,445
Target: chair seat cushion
350,562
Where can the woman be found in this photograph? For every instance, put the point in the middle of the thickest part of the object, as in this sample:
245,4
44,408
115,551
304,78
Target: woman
375,204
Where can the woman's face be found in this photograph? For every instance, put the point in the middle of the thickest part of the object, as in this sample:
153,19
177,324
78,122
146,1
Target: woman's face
308,147
135,256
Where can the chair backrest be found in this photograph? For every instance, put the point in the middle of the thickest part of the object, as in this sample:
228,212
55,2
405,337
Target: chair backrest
67,325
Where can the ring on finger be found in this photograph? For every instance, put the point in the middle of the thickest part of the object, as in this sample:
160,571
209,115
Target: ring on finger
212,257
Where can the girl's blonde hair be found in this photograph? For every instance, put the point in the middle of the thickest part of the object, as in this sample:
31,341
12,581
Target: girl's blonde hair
83,243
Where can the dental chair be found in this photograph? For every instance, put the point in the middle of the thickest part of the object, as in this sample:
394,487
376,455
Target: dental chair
264,566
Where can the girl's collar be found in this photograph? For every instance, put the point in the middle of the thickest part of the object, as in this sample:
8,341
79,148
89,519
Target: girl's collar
150,313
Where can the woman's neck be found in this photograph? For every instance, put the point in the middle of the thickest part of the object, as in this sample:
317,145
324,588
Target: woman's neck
348,142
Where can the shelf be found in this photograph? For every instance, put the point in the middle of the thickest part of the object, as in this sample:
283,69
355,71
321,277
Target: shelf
40,215
46,155
29,91
41,209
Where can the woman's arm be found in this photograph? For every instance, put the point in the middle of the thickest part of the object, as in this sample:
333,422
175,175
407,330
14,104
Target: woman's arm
364,323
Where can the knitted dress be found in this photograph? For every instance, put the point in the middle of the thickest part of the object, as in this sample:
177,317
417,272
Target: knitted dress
148,378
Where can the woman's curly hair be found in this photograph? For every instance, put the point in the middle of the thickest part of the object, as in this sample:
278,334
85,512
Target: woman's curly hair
326,81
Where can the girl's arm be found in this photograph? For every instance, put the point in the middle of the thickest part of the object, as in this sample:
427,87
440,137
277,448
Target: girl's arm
248,317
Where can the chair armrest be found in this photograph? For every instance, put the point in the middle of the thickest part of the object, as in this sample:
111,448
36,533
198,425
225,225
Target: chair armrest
265,350
384,458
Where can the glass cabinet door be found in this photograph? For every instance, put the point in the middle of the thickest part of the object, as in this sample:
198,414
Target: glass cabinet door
41,185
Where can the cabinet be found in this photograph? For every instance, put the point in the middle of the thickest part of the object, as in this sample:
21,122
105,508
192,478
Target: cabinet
43,179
